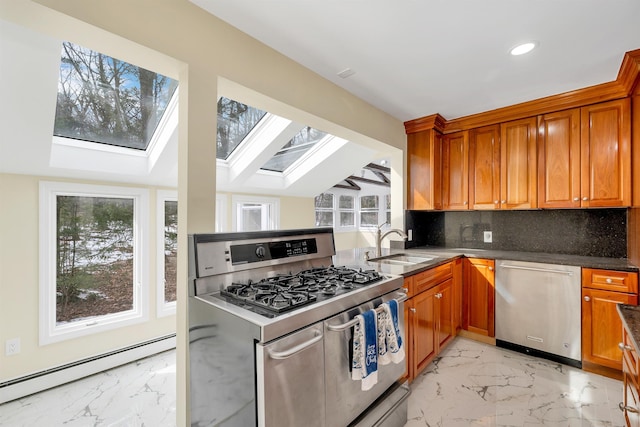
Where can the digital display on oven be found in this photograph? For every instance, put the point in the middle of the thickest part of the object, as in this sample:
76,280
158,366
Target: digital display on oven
255,252
292,248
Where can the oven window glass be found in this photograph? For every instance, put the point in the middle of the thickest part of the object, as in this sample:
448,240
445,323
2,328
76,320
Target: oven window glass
92,274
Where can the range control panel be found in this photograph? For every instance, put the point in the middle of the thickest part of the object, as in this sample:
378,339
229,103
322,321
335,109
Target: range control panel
265,251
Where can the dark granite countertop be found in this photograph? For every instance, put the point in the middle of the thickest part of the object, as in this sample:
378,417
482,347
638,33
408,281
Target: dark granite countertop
630,315
356,258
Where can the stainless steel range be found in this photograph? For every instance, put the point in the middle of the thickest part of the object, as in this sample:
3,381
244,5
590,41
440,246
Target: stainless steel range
270,330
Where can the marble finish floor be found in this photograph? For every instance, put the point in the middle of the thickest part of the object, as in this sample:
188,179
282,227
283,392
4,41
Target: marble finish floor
474,384
470,384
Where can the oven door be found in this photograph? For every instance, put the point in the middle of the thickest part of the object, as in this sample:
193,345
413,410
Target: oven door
345,399
290,380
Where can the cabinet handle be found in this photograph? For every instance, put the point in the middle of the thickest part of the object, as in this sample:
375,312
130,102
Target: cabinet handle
465,202
609,280
504,201
438,295
490,268
585,198
587,298
496,202
627,408
413,310
576,199
405,290
624,347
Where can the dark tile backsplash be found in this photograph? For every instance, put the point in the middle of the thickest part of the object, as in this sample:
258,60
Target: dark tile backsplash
587,232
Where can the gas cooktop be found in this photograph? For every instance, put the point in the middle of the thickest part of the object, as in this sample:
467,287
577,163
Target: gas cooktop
285,292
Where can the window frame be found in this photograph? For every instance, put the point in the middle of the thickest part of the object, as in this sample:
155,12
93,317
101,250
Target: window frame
273,202
332,210
355,211
49,332
163,308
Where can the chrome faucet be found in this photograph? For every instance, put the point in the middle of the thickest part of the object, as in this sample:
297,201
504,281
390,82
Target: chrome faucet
380,236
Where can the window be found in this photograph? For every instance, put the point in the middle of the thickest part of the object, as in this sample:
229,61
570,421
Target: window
369,216
387,199
167,209
235,121
109,101
93,252
324,210
254,214
346,210
294,149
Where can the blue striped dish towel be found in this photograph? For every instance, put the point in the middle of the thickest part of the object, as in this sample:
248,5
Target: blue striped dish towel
390,348
364,363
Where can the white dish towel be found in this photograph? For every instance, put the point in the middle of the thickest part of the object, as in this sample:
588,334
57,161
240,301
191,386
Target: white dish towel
390,348
364,363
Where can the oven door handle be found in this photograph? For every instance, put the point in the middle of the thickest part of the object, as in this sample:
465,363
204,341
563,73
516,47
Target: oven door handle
352,322
279,355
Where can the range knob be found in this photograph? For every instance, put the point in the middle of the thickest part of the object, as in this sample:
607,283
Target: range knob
260,251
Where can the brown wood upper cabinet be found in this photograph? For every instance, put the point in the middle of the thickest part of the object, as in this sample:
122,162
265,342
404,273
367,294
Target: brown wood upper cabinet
455,171
502,166
559,159
585,157
484,168
605,143
424,176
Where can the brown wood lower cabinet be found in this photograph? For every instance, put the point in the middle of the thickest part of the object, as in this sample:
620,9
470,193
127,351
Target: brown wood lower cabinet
430,315
630,369
478,311
601,324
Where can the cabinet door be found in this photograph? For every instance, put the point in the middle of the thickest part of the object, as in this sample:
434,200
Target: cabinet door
484,168
559,159
424,175
518,168
602,327
455,171
606,154
479,296
444,309
424,330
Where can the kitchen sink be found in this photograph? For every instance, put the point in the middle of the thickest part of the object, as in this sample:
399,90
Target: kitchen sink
403,259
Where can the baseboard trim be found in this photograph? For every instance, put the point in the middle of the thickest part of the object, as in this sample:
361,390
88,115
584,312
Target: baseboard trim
477,337
19,387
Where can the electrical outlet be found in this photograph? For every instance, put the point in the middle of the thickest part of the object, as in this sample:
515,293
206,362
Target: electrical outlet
488,237
410,235
12,346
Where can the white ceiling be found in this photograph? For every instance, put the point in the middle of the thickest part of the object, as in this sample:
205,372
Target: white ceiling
415,58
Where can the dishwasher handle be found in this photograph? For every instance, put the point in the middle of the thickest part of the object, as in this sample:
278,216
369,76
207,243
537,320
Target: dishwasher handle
279,355
541,270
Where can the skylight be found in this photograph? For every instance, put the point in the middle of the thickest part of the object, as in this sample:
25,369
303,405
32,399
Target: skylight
105,100
294,149
235,121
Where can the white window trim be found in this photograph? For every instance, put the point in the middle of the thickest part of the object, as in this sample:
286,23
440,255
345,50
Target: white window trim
48,331
238,200
163,308
221,213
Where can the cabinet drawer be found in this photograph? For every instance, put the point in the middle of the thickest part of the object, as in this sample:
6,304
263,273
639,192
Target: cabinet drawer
428,279
609,280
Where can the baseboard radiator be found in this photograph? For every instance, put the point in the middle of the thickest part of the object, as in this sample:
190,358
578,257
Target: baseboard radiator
17,388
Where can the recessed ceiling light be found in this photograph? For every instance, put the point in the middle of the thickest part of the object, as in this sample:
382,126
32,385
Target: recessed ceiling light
523,48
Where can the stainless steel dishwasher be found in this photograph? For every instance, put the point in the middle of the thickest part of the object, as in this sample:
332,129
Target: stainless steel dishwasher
538,310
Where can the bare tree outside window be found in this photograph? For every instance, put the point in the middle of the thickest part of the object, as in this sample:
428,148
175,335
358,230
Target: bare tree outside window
235,121
94,273
106,100
170,249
